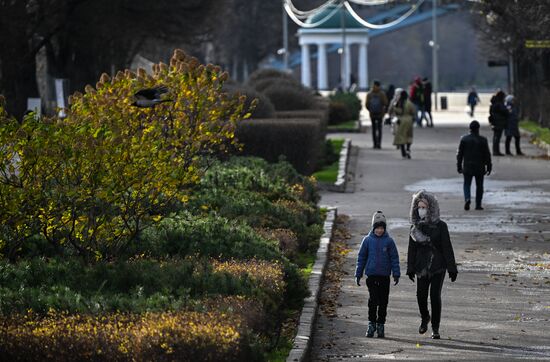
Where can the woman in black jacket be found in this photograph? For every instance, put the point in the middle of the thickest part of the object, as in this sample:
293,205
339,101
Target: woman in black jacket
430,255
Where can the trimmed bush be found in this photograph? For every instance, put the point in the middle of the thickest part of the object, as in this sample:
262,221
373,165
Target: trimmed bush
286,97
350,100
262,74
210,235
339,113
297,140
166,336
136,286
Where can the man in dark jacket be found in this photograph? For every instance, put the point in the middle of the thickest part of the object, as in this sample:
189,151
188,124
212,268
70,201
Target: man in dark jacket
376,103
498,118
473,159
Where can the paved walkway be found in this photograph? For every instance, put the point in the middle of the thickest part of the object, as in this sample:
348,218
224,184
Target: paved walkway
499,308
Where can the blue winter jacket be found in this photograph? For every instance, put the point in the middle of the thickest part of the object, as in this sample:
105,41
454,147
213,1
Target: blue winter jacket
377,256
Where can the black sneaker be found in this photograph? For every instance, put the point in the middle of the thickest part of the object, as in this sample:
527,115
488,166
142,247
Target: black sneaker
467,205
479,207
435,333
371,330
380,330
424,325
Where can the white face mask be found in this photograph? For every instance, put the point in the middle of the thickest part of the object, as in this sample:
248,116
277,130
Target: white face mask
422,212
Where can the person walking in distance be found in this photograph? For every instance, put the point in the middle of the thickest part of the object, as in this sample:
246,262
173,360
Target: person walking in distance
378,259
512,130
416,93
376,104
473,100
404,110
473,160
428,102
430,254
498,118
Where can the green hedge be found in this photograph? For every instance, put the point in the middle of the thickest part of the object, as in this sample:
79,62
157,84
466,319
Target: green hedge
352,104
295,139
287,97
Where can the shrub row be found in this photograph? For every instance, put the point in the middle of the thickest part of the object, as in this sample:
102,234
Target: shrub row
164,336
344,107
295,139
135,286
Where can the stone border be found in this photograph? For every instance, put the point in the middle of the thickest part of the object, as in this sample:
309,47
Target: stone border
302,341
341,178
540,143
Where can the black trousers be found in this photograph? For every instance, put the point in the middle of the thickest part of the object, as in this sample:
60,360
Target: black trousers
507,143
432,286
377,131
405,149
479,187
379,292
497,134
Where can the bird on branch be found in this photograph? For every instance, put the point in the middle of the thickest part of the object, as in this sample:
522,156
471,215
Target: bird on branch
150,97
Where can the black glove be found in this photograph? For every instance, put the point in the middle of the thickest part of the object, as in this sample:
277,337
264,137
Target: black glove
411,277
453,275
395,280
358,281
459,169
488,171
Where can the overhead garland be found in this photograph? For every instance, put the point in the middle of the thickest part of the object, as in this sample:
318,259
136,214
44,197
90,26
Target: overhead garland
297,15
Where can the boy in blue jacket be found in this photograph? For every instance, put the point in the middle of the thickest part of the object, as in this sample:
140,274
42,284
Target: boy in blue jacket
378,258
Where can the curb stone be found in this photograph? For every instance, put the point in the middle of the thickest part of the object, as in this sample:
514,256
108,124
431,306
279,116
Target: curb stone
341,178
302,341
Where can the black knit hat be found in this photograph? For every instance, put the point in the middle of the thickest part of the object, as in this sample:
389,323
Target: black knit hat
474,125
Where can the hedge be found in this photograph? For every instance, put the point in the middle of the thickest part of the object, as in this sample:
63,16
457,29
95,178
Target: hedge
295,139
164,336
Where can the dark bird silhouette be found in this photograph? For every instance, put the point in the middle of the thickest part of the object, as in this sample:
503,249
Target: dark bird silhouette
150,97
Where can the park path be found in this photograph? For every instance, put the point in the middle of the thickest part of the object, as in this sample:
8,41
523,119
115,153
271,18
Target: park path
499,307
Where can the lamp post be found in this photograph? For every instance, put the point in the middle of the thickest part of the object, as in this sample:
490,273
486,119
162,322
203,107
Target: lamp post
343,65
435,47
285,38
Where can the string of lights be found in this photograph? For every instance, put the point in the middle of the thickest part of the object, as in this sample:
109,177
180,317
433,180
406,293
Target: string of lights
298,16
382,26
311,25
302,14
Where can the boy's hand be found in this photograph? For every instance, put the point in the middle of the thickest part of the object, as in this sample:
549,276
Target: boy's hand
395,280
358,281
411,277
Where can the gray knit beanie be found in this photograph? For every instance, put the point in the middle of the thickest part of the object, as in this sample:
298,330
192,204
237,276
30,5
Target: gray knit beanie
378,219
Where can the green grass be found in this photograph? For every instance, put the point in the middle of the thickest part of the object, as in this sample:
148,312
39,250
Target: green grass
329,173
280,353
541,133
345,126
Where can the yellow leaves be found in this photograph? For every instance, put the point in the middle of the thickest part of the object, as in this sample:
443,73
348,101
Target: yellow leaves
117,160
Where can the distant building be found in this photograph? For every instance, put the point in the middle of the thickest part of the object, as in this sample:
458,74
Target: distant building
397,54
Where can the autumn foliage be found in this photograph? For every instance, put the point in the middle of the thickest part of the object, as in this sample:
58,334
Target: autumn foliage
92,181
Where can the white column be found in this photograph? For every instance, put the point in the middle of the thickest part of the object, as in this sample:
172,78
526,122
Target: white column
306,66
363,67
322,75
347,70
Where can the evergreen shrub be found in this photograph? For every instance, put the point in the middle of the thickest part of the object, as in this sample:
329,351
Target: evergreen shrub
297,140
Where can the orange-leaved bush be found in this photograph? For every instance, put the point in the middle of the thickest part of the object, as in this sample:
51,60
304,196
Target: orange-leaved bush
94,179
